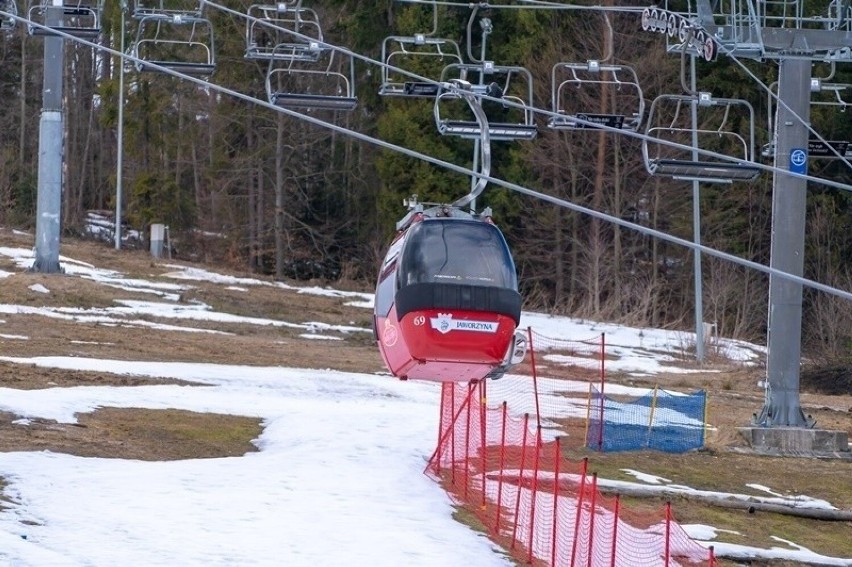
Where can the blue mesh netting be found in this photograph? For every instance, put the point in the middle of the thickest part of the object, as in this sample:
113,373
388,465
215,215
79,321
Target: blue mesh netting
660,420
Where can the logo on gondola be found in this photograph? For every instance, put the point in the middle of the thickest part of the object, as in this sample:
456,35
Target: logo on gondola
444,323
391,335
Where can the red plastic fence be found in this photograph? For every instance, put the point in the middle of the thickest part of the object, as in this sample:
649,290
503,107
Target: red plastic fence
587,364
543,509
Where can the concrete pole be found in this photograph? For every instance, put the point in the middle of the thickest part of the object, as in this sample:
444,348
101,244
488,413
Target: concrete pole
120,134
696,223
782,407
50,147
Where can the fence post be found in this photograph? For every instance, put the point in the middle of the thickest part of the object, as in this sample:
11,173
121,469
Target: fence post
706,418
578,513
502,463
453,438
712,556
451,433
588,416
613,561
668,531
483,410
520,478
534,377
592,518
534,492
603,382
471,389
437,455
651,416
558,458
603,360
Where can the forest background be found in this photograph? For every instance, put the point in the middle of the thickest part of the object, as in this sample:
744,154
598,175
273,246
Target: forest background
241,184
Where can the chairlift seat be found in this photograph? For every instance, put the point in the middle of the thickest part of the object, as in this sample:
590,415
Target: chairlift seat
300,100
83,13
496,130
708,171
185,67
81,32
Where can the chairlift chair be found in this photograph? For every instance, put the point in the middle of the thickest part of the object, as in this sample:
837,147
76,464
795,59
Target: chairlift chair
839,96
177,41
283,31
8,23
669,122
79,19
494,81
823,94
416,54
594,79
300,84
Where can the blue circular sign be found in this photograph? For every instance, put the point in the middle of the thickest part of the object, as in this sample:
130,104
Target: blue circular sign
798,157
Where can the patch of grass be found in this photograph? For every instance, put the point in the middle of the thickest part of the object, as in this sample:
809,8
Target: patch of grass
133,433
759,529
464,516
163,434
729,472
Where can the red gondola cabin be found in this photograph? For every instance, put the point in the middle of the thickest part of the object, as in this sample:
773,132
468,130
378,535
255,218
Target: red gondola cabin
447,304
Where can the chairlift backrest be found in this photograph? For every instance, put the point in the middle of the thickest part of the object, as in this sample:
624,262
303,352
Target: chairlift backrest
724,127
577,88
512,117
181,42
420,55
283,31
824,94
79,18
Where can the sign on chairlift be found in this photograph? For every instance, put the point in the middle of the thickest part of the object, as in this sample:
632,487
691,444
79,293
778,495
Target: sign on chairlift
592,121
818,148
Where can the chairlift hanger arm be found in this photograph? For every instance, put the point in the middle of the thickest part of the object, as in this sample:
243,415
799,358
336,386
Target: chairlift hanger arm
462,89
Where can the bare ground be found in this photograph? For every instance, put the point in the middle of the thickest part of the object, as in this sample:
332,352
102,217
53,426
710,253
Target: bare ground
733,391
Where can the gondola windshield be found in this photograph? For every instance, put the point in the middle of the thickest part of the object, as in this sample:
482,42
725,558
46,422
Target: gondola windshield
453,251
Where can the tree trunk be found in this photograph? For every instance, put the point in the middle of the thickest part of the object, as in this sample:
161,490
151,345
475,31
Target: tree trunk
22,123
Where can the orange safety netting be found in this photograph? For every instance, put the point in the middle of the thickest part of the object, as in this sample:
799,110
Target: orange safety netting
542,508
